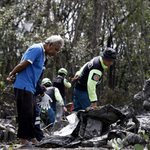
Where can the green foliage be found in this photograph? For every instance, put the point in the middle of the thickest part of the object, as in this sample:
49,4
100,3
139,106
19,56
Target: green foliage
116,24
4,148
117,144
138,147
2,87
116,97
141,147
146,137
12,146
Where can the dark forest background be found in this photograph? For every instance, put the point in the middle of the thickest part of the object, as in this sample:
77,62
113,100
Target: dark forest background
88,27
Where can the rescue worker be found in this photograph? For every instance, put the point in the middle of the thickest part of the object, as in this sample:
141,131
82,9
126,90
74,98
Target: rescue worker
61,83
48,115
88,77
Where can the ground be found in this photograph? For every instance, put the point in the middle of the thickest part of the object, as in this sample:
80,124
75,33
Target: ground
10,147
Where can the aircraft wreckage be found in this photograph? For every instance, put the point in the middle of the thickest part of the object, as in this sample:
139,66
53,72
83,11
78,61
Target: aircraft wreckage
102,126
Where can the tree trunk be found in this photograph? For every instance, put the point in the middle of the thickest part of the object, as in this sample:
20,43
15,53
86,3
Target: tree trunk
144,33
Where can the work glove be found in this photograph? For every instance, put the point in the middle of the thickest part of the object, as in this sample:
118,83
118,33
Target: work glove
45,103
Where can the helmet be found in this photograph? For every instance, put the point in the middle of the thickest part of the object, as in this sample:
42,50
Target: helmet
46,82
63,71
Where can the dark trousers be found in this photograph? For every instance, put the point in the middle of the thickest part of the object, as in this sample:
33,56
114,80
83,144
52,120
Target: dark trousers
26,113
38,132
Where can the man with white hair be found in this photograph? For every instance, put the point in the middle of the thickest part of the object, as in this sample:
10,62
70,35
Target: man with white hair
28,73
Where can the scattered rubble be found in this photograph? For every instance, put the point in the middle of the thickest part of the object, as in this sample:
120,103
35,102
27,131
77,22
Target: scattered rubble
106,127
144,95
96,127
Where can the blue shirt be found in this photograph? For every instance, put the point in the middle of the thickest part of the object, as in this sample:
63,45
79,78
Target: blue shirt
27,78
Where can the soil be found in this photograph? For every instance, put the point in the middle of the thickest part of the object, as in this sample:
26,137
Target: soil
17,147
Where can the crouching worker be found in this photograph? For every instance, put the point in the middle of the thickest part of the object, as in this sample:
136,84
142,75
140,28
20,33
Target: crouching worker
88,77
56,109
62,83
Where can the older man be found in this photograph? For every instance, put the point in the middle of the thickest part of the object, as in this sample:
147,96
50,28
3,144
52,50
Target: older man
28,73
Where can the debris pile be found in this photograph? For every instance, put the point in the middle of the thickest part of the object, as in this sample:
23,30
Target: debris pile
102,126
144,95
97,127
7,131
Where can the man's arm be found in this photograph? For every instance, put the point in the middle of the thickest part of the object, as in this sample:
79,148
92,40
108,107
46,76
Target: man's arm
58,96
39,89
93,79
78,73
67,84
60,99
21,66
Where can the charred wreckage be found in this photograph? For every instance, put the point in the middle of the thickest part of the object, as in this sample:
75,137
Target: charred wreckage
102,126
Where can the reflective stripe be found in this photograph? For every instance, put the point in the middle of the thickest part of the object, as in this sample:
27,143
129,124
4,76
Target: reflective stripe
58,96
91,83
67,84
102,63
37,118
37,122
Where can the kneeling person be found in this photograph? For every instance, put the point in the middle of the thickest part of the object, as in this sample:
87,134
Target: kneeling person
57,109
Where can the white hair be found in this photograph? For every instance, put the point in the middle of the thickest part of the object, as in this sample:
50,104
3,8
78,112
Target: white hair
55,39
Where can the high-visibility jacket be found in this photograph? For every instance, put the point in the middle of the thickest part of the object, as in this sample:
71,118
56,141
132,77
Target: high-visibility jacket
89,76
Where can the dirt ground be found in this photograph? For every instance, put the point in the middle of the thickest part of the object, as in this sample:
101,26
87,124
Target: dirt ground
16,147
8,147
75,149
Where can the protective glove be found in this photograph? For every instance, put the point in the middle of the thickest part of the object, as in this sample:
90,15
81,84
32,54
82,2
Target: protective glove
45,103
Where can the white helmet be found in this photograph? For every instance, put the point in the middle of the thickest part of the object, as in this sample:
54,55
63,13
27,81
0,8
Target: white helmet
46,82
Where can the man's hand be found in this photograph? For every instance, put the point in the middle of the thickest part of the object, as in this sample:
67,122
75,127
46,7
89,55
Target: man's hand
93,104
45,103
64,109
21,66
11,77
75,78
44,88
66,88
